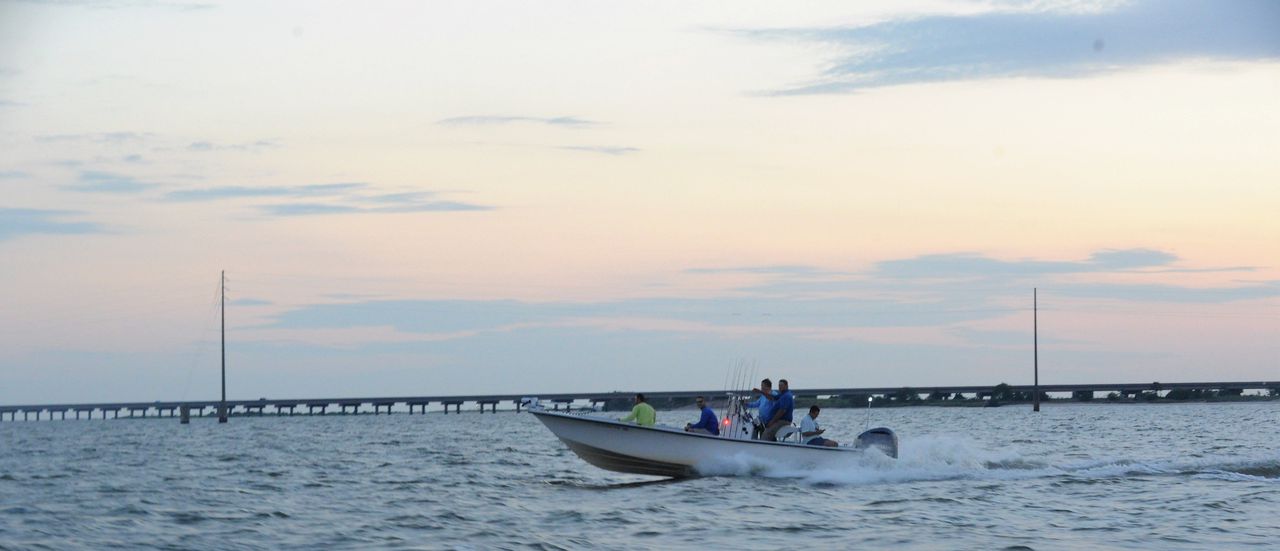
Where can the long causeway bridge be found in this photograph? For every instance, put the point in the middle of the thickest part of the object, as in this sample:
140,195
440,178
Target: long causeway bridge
567,401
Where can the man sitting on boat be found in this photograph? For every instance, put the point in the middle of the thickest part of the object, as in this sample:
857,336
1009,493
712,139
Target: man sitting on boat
642,413
810,432
783,405
708,423
764,406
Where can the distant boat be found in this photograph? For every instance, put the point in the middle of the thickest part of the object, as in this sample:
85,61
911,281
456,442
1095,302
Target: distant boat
670,451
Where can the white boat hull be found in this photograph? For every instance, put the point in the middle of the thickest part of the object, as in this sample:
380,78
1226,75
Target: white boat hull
666,451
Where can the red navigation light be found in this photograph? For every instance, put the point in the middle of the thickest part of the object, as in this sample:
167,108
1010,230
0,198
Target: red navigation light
726,421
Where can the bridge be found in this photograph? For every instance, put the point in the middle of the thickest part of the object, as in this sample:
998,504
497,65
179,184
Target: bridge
322,406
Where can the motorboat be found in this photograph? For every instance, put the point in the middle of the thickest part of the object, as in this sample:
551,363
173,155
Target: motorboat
671,451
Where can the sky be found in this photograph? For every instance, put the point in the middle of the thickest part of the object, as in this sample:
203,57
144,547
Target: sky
456,197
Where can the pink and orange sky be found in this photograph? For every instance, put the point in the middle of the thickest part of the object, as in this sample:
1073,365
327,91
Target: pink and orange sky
466,197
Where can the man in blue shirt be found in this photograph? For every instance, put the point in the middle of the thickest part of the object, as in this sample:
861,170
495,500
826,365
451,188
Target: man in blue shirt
707,424
783,406
764,404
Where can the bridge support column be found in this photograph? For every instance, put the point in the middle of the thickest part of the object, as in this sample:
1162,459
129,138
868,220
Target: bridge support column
185,419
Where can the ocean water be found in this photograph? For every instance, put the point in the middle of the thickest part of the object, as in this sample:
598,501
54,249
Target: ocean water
1188,476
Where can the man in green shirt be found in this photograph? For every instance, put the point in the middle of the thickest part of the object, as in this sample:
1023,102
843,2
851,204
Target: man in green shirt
642,413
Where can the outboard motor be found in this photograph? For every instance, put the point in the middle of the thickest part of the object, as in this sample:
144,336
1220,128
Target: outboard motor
880,437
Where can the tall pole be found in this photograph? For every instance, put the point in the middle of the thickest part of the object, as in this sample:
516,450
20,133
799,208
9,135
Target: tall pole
1035,340
222,408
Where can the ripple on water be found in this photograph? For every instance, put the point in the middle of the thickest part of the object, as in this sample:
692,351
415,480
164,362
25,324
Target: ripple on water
186,517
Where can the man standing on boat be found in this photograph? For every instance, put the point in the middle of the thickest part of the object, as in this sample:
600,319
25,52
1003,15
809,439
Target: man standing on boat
764,407
708,423
642,413
783,405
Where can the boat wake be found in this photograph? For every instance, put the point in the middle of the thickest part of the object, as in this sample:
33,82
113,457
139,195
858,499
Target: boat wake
940,458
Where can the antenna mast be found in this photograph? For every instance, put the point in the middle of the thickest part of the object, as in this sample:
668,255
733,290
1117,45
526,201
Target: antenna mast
222,407
1035,343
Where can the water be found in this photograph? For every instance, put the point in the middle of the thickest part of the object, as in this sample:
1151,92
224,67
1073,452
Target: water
1073,477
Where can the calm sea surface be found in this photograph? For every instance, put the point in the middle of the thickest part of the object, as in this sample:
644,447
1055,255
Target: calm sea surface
1192,476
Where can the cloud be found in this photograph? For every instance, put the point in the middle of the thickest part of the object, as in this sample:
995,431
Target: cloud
98,137
400,198
744,314
958,265
250,302
337,198
239,192
607,150
776,269
310,209
106,182
1131,258
1170,293
13,175
1054,43
18,222
491,120
993,338
955,265
968,274
10,103
122,4
306,209
203,146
